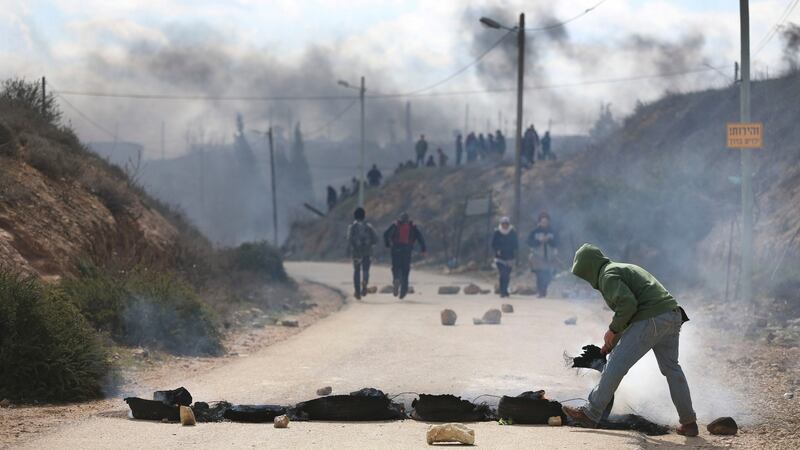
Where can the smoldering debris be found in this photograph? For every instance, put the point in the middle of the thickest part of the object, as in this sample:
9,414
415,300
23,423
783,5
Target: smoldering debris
371,404
363,405
179,396
254,413
449,408
529,408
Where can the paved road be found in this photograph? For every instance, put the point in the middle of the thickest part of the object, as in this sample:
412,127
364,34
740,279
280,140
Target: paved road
397,347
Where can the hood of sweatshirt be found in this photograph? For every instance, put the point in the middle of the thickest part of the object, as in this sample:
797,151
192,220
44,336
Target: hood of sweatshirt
588,262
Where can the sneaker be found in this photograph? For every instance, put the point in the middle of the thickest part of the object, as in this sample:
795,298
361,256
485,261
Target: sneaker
403,293
688,430
579,417
396,287
357,295
364,289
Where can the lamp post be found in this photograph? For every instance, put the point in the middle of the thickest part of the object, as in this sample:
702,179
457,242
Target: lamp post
361,91
520,30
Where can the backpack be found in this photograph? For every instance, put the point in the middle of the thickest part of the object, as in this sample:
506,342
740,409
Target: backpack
361,237
403,234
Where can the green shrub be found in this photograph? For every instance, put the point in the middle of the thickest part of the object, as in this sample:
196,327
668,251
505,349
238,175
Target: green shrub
112,193
53,160
259,258
47,350
145,308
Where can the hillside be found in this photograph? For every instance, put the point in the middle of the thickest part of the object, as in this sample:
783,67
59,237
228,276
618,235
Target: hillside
662,191
59,203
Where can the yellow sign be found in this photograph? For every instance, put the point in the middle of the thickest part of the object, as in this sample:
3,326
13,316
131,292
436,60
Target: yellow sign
745,135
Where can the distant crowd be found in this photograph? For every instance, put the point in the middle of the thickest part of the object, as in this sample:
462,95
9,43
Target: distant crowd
476,147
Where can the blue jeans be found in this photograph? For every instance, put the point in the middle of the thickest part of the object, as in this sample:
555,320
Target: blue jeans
661,334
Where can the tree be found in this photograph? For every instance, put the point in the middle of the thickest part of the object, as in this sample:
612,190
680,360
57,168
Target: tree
299,169
605,124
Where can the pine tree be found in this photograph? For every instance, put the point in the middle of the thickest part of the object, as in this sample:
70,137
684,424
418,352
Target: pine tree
301,173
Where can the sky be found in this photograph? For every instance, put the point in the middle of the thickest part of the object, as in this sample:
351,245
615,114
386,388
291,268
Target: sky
109,46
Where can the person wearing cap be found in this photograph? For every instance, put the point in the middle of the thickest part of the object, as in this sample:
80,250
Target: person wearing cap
646,317
361,237
400,238
504,245
543,242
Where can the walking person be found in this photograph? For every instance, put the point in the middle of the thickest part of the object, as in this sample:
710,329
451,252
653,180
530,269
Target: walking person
332,198
459,149
646,317
374,176
504,245
421,150
361,237
400,238
546,152
543,242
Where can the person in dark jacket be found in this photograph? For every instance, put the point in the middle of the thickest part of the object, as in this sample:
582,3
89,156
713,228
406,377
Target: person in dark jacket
543,242
421,149
504,245
459,149
646,317
431,162
332,198
400,238
374,176
546,152
361,237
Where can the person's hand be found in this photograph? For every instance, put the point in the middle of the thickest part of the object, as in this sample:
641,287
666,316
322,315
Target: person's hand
608,342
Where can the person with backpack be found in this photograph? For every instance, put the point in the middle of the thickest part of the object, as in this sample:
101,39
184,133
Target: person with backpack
361,237
400,238
504,245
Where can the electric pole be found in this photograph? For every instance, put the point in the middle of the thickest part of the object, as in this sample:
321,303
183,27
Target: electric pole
362,91
44,97
747,158
466,120
163,147
274,194
518,152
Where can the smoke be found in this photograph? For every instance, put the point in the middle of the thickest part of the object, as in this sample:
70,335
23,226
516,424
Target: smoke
551,53
790,34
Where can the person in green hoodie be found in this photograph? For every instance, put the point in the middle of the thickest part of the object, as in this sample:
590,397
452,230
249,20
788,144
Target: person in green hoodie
646,317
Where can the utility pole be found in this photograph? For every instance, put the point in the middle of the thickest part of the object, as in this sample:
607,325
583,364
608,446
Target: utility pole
163,147
466,120
362,91
518,152
44,97
409,136
747,158
274,194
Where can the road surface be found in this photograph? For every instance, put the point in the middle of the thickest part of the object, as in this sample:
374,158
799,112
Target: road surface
396,346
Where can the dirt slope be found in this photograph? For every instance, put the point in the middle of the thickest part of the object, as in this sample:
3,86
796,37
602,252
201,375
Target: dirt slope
59,204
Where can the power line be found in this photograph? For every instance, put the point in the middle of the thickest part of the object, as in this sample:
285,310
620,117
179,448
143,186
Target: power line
338,116
771,34
87,118
461,70
553,26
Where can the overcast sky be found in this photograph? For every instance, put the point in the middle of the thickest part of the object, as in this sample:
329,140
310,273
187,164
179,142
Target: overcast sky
403,46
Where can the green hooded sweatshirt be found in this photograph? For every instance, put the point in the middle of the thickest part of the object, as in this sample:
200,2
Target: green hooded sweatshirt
630,291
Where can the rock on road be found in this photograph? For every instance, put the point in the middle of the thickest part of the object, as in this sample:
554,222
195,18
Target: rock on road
396,346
